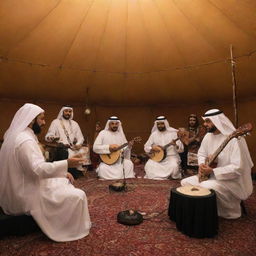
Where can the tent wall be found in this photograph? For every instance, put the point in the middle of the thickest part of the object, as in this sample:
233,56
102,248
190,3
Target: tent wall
137,120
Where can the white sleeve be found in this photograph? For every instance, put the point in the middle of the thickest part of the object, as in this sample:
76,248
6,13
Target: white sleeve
32,160
148,144
78,134
99,147
52,131
202,152
233,169
180,146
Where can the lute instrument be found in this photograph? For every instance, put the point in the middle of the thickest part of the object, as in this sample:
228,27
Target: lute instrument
113,157
243,130
161,154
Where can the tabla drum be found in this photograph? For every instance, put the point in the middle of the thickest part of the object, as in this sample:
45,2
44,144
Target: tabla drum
194,190
129,217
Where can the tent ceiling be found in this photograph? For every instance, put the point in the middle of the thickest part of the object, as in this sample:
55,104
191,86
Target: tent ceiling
126,51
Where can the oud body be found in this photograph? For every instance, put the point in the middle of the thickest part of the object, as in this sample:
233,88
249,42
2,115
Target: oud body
161,152
114,156
111,158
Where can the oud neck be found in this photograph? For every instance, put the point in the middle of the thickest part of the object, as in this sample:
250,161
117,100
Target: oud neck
220,148
122,146
169,144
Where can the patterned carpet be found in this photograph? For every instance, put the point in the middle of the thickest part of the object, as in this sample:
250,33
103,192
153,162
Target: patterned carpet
155,236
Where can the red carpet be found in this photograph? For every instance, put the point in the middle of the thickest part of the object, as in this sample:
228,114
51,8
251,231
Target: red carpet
155,236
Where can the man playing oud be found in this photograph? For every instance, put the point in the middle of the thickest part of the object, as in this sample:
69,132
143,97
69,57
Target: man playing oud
231,178
161,135
108,141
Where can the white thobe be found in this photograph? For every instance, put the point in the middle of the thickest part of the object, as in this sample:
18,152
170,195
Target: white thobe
41,189
169,167
121,167
73,130
231,179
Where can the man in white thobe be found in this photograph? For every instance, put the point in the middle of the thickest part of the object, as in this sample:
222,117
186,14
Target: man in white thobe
30,185
67,132
231,179
161,135
108,141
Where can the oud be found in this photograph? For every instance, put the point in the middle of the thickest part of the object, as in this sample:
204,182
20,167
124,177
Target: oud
161,152
113,157
210,161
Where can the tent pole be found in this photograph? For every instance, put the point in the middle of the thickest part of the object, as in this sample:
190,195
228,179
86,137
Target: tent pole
234,85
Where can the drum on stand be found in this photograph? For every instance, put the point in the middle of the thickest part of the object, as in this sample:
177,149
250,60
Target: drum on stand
194,209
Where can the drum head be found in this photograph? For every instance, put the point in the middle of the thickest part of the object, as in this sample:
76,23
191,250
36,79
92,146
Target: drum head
129,217
194,191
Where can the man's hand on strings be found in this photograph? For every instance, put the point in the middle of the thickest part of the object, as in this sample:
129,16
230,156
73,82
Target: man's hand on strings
155,148
113,147
205,169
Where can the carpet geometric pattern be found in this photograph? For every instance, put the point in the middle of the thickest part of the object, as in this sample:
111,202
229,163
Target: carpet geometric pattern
157,235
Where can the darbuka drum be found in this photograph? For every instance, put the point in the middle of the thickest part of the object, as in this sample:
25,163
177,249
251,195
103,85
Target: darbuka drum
194,209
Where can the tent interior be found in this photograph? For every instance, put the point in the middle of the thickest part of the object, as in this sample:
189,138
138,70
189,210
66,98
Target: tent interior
135,59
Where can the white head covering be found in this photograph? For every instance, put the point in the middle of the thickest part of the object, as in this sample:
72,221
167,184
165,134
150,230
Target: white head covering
222,123
167,126
21,120
60,115
115,119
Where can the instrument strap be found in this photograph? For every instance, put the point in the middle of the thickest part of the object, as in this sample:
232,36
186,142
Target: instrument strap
66,132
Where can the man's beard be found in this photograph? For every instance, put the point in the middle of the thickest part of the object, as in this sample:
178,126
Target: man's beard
114,129
161,129
212,129
36,128
66,117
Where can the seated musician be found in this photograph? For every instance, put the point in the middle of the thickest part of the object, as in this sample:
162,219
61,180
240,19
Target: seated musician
189,161
30,185
231,178
108,141
67,133
161,135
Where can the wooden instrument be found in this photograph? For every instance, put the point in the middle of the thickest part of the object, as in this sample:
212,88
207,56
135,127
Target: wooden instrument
113,157
241,131
160,155
162,150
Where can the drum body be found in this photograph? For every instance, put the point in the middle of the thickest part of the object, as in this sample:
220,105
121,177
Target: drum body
194,210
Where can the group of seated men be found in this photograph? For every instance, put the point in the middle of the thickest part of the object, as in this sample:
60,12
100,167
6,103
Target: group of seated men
30,185
67,132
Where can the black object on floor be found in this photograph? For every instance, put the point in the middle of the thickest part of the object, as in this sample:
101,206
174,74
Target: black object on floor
16,225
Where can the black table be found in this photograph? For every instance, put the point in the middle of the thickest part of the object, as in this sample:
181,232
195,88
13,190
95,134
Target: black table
195,216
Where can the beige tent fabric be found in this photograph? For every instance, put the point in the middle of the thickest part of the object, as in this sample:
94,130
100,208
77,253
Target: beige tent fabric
123,50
